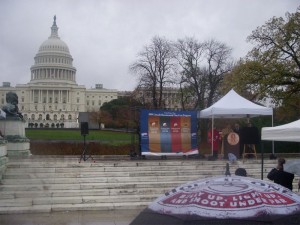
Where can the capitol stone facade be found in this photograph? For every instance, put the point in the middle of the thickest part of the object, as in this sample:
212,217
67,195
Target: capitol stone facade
52,98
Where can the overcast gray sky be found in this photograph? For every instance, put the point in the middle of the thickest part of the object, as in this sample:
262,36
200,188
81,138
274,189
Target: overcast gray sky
105,36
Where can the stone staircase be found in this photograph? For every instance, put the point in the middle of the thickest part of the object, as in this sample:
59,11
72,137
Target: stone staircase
48,184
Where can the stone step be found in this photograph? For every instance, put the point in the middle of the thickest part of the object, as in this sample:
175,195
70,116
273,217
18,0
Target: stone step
86,192
44,178
113,168
84,180
76,200
101,206
26,209
128,186
88,178
106,168
46,184
64,162
41,175
73,207
150,168
93,186
134,170
129,164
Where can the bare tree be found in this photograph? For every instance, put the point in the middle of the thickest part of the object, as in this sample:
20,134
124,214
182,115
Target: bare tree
189,53
219,62
155,68
203,66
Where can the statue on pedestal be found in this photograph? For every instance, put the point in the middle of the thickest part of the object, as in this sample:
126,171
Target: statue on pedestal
11,108
14,128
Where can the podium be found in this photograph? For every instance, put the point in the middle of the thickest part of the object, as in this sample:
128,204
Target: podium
232,144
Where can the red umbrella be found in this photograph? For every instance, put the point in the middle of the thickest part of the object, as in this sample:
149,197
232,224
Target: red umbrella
223,199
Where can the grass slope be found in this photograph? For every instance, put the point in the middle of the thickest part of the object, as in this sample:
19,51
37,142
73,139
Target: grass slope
97,135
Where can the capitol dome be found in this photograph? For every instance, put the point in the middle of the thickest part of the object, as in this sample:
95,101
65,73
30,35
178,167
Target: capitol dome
53,63
54,45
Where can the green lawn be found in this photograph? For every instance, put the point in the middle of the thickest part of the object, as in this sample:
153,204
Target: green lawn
98,135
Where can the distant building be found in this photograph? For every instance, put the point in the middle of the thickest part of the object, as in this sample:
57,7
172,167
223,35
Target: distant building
52,98
170,97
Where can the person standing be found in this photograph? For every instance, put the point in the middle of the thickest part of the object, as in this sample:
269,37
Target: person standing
279,176
226,130
224,135
236,128
214,139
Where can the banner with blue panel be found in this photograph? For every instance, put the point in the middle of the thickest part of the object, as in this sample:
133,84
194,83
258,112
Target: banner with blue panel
165,132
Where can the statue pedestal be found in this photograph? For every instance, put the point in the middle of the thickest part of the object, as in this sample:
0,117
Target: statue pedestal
14,132
3,156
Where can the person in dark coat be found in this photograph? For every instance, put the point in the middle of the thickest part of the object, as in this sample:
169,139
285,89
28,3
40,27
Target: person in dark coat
279,176
241,172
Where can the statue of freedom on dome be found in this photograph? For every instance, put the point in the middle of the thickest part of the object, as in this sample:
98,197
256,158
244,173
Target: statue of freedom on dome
11,108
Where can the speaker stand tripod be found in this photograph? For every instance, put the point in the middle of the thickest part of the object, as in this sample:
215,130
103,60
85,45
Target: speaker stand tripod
84,152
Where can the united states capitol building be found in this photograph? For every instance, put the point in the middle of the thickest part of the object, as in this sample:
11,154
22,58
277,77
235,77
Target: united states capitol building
52,98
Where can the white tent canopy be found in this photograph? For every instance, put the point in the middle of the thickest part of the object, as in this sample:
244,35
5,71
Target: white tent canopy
286,132
233,105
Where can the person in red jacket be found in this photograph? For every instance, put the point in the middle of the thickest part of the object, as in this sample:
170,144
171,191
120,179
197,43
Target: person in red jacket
214,141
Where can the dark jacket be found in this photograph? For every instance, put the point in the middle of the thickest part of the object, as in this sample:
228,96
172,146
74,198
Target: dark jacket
281,177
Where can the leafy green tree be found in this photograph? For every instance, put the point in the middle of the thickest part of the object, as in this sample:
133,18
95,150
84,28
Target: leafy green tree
239,80
272,68
289,110
116,106
122,111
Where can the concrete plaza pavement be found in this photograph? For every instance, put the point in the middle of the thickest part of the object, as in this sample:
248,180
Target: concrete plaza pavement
114,217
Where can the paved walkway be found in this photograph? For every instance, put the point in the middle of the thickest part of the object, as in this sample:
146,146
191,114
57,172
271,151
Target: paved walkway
118,217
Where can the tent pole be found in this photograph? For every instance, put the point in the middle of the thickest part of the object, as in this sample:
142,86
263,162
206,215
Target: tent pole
272,141
212,135
262,160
